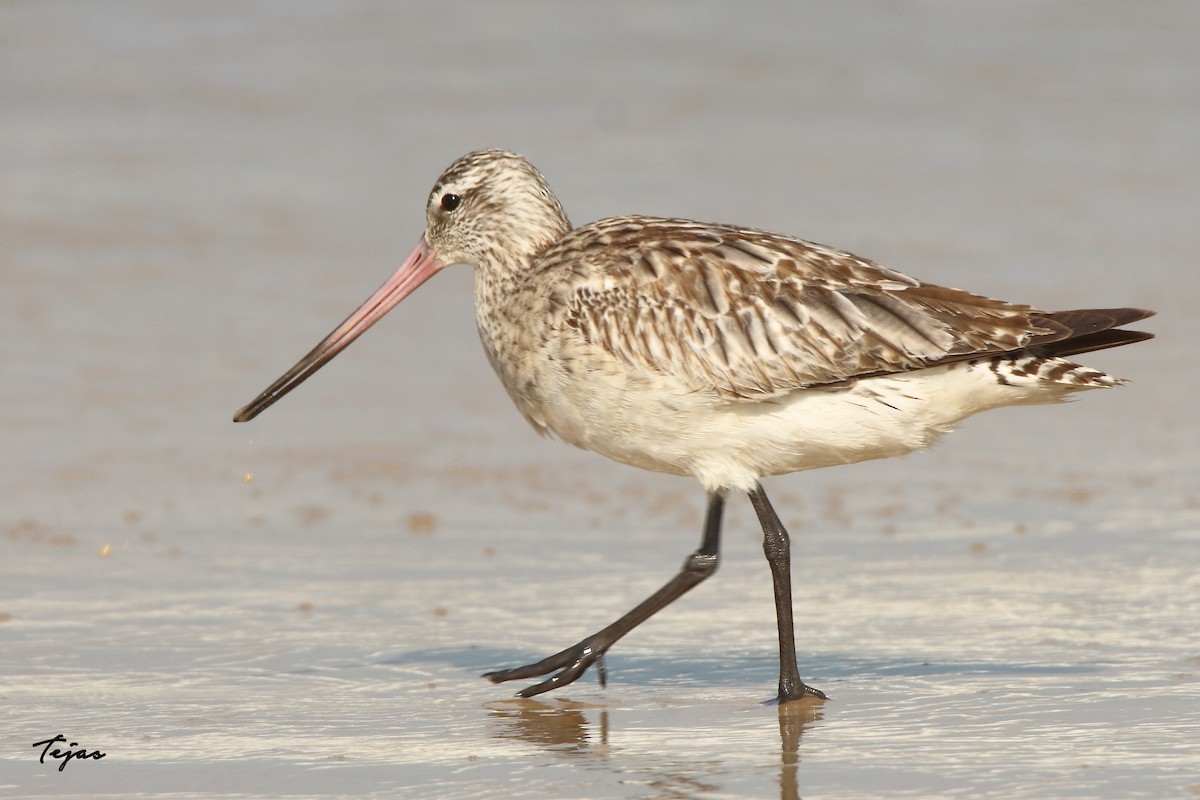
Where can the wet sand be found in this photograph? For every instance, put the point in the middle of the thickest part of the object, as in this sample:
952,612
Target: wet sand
192,196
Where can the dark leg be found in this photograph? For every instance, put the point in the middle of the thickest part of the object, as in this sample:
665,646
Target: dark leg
778,548
575,660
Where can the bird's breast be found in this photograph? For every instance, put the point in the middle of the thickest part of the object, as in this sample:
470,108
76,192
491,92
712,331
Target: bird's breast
565,385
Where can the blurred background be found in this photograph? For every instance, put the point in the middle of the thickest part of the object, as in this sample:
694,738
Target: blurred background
193,194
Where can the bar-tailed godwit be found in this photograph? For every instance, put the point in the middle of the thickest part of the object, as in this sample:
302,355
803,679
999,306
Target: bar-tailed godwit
723,353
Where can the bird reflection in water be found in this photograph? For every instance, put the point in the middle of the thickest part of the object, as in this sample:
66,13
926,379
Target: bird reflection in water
586,731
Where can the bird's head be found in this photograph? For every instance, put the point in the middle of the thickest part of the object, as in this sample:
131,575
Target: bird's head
491,209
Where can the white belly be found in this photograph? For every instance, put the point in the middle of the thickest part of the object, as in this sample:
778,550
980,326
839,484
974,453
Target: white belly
648,422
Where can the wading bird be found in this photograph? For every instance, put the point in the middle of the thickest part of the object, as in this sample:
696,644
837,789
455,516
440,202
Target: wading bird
723,353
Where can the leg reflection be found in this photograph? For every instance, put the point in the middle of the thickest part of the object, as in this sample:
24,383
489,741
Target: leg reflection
572,730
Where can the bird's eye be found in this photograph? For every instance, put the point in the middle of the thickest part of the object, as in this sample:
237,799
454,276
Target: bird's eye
450,201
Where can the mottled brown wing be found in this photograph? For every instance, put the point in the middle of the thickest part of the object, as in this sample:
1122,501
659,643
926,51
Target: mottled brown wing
751,314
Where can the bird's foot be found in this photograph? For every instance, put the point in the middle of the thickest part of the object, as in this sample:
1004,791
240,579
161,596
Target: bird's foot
571,663
793,693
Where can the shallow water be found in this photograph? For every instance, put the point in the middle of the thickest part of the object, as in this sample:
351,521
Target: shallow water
192,195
